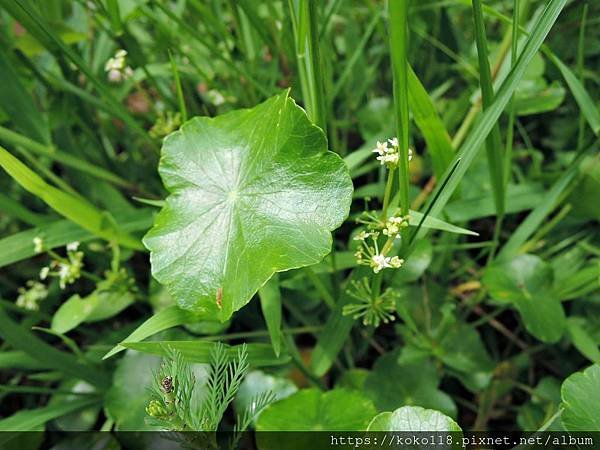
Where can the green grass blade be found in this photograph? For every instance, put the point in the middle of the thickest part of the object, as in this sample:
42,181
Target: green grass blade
479,133
304,20
21,339
17,359
580,68
178,89
114,14
200,351
358,52
422,220
19,246
32,419
493,141
12,208
35,23
73,208
514,48
398,18
18,104
163,320
64,158
583,99
430,124
270,303
535,218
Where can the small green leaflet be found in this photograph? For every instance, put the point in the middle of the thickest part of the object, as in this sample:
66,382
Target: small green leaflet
581,400
526,282
253,192
313,410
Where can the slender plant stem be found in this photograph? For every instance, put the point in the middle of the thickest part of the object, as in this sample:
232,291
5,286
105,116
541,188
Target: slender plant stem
304,20
388,194
398,14
580,49
511,106
178,88
493,141
320,287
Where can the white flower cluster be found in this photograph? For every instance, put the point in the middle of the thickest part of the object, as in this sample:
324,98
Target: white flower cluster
117,67
390,156
30,298
380,262
38,244
394,224
370,255
67,270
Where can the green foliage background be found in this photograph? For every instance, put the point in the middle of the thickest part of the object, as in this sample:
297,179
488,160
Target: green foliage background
497,303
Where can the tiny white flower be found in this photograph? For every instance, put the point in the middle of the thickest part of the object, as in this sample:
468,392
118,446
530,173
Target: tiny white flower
361,236
115,76
73,246
410,154
396,262
381,149
116,67
380,262
64,271
38,244
44,273
393,142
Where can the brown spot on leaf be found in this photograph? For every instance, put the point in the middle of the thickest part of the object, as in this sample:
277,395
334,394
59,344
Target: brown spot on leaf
219,297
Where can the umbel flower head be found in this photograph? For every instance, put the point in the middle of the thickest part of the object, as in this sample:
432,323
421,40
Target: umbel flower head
67,270
380,262
389,156
372,309
369,252
117,67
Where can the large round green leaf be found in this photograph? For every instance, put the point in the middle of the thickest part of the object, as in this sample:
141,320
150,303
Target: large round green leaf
413,418
313,410
526,281
253,192
581,400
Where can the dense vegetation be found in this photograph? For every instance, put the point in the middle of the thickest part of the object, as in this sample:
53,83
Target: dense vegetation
334,215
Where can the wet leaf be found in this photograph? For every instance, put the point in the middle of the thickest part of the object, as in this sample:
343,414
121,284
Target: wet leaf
253,192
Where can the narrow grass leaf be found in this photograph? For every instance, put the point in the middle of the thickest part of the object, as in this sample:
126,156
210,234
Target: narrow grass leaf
493,142
535,218
489,117
163,320
73,208
18,104
200,351
430,124
335,333
19,246
32,419
398,25
21,339
27,14
63,158
270,303
178,89
583,99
